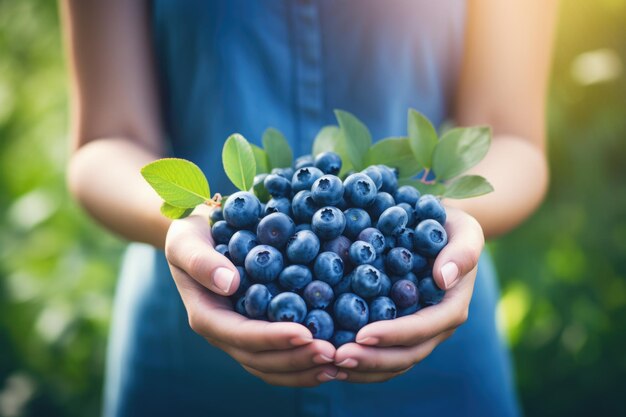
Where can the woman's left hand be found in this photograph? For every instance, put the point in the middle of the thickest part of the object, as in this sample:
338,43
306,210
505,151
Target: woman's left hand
386,349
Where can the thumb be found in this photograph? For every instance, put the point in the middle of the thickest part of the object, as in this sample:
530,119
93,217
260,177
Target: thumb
460,256
189,247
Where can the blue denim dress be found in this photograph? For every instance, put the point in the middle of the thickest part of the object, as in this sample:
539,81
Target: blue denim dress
240,66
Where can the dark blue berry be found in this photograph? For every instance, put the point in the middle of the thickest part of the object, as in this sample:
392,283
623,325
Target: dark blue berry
359,190
223,249
240,244
295,277
327,190
362,253
339,245
374,237
287,306
390,181
366,281
374,173
303,162
275,229
341,337
410,213
241,209
328,223
429,207
302,247
399,261
278,205
405,238
277,185
304,178
351,311
222,232
381,203
263,263
303,207
328,267
392,220
257,299
407,194
328,163
430,238
320,324
318,294
356,220
382,308
430,293
404,293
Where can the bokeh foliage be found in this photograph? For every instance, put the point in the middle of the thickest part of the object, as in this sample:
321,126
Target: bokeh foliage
563,273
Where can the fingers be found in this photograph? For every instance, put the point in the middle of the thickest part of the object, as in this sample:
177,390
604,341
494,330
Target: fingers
318,352
308,378
427,323
211,316
189,246
460,256
353,357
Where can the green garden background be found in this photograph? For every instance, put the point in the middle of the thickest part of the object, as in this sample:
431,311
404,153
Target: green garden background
563,273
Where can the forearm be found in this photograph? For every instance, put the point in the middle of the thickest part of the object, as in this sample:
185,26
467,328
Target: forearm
518,171
104,177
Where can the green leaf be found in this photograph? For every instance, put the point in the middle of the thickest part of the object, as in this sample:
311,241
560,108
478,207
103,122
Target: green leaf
238,160
277,148
437,189
326,140
394,152
331,139
422,137
174,213
179,182
357,138
459,150
467,186
261,159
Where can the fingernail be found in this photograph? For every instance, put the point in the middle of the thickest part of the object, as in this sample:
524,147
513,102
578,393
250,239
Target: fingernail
299,341
368,341
223,278
325,377
320,359
341,376
348,363
450,274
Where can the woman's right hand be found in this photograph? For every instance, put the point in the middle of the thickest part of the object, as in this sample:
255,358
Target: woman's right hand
278,353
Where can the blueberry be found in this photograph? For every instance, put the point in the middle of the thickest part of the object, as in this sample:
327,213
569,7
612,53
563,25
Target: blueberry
404,293
320,324
410,213
275,229
277,185
385,284
392,220
278,205
429,207
303,226
242,209
302,247
327,190
356,220
430,238
295,277
374,173
430,293
216,215
240,306
390,243
351,311
304,178
420,264
412,309
374,237
328,163
390,181
341,337
339,245
366,281
244,282
223,249
240,244
359,190
405,238
286,173
379,262
382,308
222,232
303,207
274,288
407,194
318,294
410,276
328,223
381,203
264,263
287,306
344,285
362,253
303,162
399,261
328,267
257,299
258,188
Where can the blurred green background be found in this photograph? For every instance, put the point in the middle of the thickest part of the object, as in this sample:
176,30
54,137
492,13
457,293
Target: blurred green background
563,273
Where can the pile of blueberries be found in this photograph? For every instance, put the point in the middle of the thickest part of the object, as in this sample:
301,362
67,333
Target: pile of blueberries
333,255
